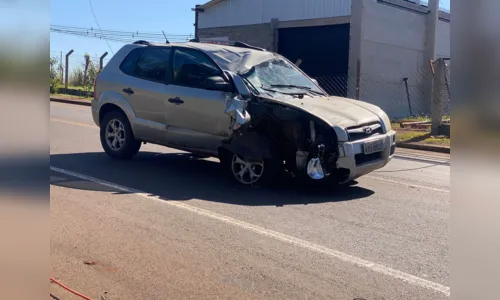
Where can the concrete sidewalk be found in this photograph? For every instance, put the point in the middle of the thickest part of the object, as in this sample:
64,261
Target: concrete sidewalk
415,146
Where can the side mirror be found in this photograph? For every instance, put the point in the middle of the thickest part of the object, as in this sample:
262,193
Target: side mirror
239,84
315,81
217,83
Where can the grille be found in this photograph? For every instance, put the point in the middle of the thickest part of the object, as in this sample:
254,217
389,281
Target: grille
366,158
364,131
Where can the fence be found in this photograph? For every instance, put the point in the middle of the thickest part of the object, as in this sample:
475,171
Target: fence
400,95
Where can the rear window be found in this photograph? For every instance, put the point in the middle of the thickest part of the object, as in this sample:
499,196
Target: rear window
128,64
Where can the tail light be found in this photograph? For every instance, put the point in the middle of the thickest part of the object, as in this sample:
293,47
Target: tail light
95,81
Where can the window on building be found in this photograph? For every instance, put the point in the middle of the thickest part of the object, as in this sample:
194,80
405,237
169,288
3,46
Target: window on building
153,64
192,68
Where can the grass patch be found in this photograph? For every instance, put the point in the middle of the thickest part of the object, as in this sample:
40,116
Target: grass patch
420,137
70,97
80,88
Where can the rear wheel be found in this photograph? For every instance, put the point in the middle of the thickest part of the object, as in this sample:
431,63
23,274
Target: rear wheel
117,138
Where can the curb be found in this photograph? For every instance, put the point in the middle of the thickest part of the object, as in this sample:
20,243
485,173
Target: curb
68,101
425,147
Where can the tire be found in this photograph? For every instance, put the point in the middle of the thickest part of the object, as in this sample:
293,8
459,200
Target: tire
126,146
268,170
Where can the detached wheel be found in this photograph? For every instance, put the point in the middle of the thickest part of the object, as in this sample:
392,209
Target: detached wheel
261,172
117,138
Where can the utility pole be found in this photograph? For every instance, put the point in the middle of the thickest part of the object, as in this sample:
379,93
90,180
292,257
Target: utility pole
87,61
437,96
430,49
61,68
196,10
430,52
67,69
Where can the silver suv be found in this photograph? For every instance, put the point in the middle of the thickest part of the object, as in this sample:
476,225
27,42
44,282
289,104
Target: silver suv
253,109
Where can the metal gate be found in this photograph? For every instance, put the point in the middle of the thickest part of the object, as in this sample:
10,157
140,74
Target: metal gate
323,53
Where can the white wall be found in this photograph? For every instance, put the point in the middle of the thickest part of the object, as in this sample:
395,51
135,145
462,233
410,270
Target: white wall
247,12
392,47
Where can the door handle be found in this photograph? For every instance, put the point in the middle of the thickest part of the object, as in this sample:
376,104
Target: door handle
128,91
176,100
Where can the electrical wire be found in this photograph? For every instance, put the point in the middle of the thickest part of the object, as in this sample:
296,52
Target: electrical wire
119,32
122,39
95,18
68,289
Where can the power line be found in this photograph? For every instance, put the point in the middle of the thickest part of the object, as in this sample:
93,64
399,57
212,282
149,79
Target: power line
118,32
115,38
95,18
118,35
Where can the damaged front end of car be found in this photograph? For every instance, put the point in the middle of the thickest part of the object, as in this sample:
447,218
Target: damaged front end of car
303,144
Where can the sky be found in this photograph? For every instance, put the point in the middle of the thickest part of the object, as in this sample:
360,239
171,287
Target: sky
171,16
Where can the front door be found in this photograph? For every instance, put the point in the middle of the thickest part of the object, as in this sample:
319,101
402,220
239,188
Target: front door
195,116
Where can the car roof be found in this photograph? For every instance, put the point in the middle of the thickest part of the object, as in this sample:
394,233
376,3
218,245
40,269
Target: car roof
229,58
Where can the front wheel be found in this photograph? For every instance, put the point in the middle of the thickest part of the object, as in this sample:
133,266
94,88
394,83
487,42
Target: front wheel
260,172
117,138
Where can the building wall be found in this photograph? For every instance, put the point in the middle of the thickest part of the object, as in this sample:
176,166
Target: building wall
260,35
392,47
248,12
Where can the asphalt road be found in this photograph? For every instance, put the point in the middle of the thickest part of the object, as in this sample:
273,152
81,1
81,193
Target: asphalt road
168,226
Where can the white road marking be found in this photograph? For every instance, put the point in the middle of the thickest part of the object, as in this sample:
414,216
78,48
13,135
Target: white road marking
381,269
424,159
74,123
411,185
365,176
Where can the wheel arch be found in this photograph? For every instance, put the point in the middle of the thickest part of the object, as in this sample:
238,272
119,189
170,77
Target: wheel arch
113,101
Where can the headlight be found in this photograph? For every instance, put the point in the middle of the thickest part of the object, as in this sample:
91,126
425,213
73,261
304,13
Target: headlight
386,120
341,150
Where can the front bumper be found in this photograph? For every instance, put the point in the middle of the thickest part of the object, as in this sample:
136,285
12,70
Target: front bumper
358,164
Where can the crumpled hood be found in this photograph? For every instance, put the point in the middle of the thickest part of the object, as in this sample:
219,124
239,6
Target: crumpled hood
337,111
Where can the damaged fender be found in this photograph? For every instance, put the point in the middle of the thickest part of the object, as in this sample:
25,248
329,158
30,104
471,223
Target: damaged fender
236,108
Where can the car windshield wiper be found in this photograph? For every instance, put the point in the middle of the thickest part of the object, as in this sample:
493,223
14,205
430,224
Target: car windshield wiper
281,92
300,87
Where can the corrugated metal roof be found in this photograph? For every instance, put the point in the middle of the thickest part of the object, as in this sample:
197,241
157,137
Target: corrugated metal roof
210,3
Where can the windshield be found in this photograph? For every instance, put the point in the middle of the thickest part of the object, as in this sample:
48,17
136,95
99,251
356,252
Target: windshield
279,76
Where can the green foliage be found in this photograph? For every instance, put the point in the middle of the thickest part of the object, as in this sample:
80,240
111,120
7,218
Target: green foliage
81,79
54,71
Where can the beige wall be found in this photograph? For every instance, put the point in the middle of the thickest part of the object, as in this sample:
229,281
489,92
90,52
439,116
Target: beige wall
392,46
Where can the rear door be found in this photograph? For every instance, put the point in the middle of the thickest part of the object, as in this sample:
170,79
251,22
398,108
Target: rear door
146,88
194,114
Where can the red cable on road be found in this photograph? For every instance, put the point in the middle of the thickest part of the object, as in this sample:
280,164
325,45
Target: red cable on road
68,289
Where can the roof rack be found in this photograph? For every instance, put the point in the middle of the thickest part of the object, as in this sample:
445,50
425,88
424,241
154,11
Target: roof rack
234,44
141,42
243,45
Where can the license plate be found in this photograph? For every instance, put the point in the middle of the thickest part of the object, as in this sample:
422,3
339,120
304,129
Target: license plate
373,147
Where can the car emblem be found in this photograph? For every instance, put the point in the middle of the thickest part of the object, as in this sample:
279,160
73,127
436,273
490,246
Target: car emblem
368,130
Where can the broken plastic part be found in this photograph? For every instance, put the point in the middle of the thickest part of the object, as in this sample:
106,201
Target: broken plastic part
236,108
315,170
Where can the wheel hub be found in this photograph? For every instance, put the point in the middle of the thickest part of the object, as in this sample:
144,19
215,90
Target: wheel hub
247,171
115,134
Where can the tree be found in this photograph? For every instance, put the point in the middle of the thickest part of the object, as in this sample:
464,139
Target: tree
54,66
76,77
